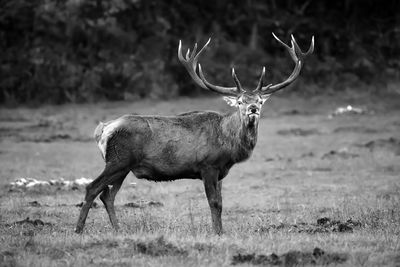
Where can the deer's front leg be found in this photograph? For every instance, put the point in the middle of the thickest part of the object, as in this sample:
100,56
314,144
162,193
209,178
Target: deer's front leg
213,192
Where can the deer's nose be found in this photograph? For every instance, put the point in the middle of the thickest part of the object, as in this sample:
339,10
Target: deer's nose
253,109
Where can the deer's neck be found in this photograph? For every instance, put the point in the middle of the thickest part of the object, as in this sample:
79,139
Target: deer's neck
241,136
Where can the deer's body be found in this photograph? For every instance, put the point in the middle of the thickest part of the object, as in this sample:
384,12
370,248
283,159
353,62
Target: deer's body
185,145
198,145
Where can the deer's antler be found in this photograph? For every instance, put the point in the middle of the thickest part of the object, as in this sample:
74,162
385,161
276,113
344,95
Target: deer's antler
190,63
298,57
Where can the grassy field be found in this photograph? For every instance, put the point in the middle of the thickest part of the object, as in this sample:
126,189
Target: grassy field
317,190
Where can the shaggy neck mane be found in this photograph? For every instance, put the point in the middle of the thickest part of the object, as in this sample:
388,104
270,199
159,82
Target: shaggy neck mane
242,137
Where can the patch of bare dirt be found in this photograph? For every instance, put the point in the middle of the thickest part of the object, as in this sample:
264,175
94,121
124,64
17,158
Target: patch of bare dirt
355,129
341,153
298,132
323,225
101,244
322,169
307,155
292,258
203,247
94,205
391,144
28,227
28,221
158,247
143,204
294,112
34,204
37,204
277,158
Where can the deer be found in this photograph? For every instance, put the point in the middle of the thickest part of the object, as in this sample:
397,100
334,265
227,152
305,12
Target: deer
201,145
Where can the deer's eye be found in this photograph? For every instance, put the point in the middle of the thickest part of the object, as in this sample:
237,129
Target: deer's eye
240,102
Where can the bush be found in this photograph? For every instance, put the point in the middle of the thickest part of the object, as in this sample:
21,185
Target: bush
87,50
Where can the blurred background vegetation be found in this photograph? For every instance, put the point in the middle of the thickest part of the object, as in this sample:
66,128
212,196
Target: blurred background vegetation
57,51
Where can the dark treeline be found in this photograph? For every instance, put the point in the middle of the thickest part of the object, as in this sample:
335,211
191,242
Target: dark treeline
87,50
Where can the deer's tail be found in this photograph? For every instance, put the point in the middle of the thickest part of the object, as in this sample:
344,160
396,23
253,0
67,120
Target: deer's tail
98,136
99,131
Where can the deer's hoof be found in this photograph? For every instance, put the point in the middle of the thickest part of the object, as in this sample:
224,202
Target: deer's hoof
79,230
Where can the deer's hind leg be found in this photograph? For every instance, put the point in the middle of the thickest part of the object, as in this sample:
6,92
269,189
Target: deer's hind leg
108,197
111,175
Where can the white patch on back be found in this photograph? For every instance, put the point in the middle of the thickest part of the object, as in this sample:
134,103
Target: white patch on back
108,131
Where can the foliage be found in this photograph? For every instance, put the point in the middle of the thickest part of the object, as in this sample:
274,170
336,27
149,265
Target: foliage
86,50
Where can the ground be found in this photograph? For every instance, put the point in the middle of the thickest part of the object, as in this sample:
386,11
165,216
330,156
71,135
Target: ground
318,190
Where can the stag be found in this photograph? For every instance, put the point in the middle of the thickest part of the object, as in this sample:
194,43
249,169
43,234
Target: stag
195,145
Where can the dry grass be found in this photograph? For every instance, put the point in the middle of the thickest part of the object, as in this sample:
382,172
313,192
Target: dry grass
290,182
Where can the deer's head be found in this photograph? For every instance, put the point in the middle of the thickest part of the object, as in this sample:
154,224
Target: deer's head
249,103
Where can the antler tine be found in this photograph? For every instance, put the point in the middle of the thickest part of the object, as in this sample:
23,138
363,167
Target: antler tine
280,41
201,50
261,81
190,63
232,91
298,57
237,82
188,54
180,56
194,50
311,48
288,48
297,48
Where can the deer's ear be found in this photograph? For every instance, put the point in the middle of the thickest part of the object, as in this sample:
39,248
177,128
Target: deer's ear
231,100
264,98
